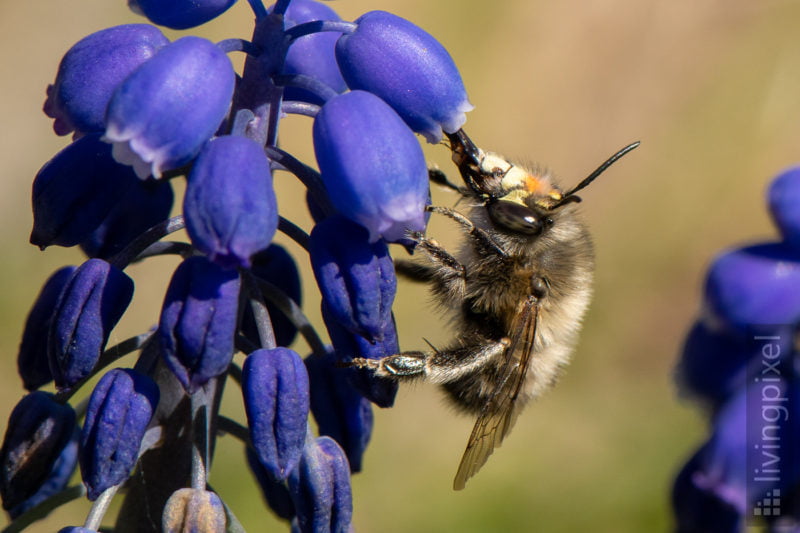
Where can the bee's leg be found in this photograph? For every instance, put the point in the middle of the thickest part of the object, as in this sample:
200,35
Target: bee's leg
439,366
444,268
415,271
440,178
482,239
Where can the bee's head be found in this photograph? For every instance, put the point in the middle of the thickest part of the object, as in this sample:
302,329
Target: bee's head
520,200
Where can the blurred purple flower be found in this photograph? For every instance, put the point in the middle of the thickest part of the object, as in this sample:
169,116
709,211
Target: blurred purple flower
784,205
180,14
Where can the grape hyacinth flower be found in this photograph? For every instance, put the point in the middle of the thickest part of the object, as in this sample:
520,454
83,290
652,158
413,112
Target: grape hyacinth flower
741,361
167,136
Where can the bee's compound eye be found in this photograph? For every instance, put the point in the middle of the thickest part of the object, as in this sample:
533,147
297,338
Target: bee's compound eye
515,217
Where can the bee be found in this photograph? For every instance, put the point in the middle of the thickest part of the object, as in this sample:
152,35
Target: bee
518,289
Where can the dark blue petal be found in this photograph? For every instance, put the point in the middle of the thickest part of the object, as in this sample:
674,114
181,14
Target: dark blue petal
119,411
715,363
756,288
91,304
92,69
198,321
32,360
312,55
380,391
372,165
340,411
57,480
76,529
276,266
230,207
398,61
39,429
784,204
275,492
75,191
320,488
180,14
356,277
162,114
194,510
276,399
145,204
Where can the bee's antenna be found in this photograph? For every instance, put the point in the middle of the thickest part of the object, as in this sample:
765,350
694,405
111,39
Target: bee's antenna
570,196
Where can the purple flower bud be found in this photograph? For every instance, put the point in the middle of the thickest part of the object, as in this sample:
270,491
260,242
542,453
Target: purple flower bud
198,321
75,191
312,55
92,69
372,165
380,391
275,492
91,304
230,207
755,288
721,478
398,61
180,14
32,361
276,266
356,277
194,510
57,480
320,488
339,410
39,428
715,363
145,204
162,114
784,204
275,389
119,411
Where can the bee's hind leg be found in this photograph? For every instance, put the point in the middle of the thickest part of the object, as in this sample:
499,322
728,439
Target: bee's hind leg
438,367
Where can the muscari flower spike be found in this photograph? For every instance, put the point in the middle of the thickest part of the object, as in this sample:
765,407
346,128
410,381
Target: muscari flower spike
90,72
90,305
198,321
276,399
372,165
39,429
75,191
162,114
194,510
230,207
356,277
32,362
409,69
312,55
180,14
320,488
120,408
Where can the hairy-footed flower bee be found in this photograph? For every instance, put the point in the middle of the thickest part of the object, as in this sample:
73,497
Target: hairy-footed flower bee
518,289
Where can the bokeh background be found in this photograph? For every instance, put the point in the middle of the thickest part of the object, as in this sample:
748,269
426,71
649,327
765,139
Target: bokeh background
710,88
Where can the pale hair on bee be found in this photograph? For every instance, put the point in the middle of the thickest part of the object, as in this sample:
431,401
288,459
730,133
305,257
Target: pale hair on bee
518,289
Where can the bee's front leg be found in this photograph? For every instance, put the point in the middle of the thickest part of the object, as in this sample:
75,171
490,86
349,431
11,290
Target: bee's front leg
438,367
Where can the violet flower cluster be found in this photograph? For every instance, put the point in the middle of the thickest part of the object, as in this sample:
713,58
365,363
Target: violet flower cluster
144,111
741,362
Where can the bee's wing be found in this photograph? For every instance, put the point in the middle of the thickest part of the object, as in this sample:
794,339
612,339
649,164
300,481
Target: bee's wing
499,414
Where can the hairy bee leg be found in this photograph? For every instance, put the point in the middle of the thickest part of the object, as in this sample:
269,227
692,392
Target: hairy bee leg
481,237
414,271
439,256
439,366
438,177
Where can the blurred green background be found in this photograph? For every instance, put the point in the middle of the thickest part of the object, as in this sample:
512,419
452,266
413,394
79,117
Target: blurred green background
710,88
